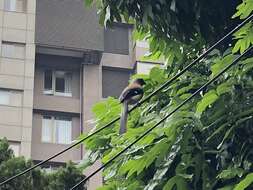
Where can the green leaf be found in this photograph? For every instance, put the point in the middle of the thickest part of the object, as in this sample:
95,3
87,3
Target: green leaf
88,2
217,131
247,65
134,167
244,38
227,134
138,165
157,75
228,187
231,173
208,99
111,186
221,64
223,88
89,158
177,181
244,9
245,182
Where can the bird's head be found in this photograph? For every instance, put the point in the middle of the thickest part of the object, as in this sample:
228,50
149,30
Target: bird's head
139,81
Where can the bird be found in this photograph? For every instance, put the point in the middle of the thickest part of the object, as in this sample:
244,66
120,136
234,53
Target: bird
131,95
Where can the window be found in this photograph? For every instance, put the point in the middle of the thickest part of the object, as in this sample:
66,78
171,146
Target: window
116,39
15,5
57,83
114,81
15,147
4,97
56,130
13,50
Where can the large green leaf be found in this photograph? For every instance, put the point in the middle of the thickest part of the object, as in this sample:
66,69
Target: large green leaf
208,99
231,173
225,87
247,181
176,181
244,38
204,157
221,63
228,187
244,9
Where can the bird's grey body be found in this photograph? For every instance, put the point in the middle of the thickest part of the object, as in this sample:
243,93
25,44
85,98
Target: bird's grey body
130,95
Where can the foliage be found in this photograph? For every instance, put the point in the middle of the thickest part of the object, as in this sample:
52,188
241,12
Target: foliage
4,147
245,34
174,19
62,178
207,143
172,27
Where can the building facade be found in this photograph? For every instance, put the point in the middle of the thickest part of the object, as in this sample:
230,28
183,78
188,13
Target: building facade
17,32
56,63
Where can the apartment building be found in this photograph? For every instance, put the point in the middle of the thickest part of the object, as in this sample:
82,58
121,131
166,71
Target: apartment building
56,62
17,31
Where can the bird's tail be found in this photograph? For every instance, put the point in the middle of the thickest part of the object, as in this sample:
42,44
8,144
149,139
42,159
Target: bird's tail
123,119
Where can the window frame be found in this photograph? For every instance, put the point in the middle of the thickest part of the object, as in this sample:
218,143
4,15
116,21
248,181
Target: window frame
53,90
21,10
14,44
53,129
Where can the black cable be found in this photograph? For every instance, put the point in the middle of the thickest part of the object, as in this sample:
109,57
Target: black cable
162,120
137,105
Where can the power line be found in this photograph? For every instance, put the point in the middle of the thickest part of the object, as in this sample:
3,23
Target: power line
137,105
166,117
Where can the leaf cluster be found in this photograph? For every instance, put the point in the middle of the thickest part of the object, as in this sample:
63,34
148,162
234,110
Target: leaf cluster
62,178
207,143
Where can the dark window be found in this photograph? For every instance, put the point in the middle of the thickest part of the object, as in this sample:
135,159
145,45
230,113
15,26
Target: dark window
48,80
114,81
117,39
59,84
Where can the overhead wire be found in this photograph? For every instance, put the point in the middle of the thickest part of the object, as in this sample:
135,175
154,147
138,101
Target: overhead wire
164,118
137,105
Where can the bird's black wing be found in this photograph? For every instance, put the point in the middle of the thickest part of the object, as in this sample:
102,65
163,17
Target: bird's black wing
130,92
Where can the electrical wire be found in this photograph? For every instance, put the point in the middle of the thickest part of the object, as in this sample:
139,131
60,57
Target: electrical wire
166,117
137,105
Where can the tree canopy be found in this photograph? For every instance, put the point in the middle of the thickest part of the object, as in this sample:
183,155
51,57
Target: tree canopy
207,143
60,179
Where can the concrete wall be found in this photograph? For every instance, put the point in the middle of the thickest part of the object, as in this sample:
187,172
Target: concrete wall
17,74
92,93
